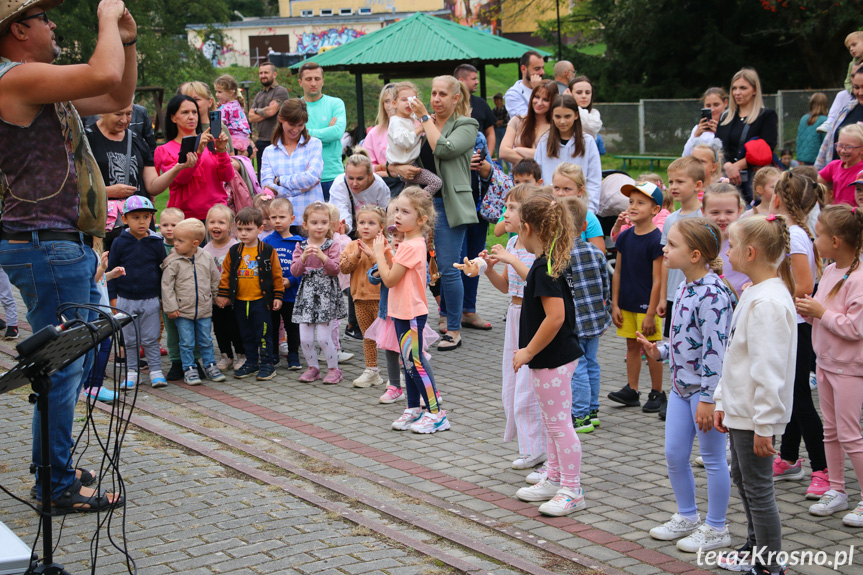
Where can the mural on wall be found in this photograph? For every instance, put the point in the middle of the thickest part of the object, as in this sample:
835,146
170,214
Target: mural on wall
312,42
481,15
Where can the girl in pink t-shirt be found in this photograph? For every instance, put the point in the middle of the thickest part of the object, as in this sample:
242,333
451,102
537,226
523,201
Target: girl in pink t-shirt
406,279
839,174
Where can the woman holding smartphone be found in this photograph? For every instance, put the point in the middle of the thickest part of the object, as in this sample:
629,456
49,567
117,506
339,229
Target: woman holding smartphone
195,184
713,104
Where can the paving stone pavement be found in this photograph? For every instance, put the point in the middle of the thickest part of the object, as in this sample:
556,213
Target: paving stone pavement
623,469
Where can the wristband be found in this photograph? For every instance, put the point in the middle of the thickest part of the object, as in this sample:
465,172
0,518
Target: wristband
132,43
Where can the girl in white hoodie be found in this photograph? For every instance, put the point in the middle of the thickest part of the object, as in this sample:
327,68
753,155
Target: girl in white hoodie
754,395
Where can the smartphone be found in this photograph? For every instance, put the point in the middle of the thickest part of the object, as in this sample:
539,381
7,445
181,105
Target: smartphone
215,123
187,146
706,114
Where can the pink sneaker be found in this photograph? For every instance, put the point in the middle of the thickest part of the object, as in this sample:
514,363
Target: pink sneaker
819,486
391,394
334,375
311,374
782,471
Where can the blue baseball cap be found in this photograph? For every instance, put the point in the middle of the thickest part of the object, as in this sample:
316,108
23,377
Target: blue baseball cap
648,189
137,204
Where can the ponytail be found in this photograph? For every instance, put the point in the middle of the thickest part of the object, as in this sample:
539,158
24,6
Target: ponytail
772,240
785,263
549,219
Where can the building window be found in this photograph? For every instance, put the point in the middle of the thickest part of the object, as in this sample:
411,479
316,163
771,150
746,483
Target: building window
364,11
307,13
326,12
346,11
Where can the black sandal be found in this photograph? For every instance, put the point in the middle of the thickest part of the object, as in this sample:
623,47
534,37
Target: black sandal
87,479
71,501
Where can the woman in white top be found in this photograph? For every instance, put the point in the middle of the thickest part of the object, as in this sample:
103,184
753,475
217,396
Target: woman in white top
567,142
357,187
523,132
581,88
716,100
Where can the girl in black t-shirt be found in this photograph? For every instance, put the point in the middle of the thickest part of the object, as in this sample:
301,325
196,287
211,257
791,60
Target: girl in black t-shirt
548,345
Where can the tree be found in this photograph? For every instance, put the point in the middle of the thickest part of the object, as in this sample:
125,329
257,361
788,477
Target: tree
165,57
677,48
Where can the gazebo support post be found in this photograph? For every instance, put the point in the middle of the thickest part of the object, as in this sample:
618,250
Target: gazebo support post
482,92
361,118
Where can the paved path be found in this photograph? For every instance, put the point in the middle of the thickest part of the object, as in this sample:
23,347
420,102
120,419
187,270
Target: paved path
280,476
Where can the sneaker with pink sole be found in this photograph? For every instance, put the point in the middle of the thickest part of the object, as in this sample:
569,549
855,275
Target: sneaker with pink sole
819,485
391,395
311,374
784,472
334,375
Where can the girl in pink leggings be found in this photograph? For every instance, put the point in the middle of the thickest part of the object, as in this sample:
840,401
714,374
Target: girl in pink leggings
836,315
549,347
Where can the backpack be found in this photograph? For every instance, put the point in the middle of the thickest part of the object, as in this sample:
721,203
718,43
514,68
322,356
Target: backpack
493,202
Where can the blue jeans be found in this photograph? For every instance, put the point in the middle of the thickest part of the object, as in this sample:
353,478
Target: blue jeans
585,380
448,245
191,332
325,188
49,274
474,243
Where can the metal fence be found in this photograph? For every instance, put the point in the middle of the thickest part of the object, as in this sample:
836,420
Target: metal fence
661,127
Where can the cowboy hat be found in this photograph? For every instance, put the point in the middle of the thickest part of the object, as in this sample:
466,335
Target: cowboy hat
10,10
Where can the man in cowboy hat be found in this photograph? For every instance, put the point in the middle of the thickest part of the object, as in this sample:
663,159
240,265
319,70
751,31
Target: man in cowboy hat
53,193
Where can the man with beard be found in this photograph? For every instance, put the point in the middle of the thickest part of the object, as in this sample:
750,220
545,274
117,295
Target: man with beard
265,108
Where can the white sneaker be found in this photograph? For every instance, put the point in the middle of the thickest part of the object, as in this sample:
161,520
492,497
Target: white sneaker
699,461
283,348
855,518
368,378
225,363
705,538
407,419
345,356
813,381
676,528
542,491
537,475
830,503
529,461
431,422
564,502
239,361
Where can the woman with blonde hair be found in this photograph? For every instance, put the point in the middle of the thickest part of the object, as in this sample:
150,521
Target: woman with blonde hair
746,119
446,151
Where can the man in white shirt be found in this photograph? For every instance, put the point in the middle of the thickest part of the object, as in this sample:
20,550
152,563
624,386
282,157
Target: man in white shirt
517,98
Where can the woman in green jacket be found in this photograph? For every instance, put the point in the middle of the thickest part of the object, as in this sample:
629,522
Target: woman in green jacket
446,151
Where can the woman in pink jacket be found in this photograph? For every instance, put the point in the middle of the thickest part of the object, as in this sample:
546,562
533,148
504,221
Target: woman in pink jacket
196,184
836,315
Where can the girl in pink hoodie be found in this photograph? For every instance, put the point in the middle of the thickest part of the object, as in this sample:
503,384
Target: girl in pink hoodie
836,315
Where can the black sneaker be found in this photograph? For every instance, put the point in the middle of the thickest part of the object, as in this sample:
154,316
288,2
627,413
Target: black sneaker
12,332
353,331
655,401
594,417
739,560
627,396
662,411
2,323
760,569
176,372
266,372
246,370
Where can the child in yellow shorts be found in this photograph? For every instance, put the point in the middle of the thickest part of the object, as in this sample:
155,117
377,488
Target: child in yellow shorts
635,293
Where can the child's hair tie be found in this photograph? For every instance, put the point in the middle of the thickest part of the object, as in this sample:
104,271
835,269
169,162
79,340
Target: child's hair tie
712,233
771,217
854,209
845,277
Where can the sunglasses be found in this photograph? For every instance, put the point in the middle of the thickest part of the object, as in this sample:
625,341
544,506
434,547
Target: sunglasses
43,16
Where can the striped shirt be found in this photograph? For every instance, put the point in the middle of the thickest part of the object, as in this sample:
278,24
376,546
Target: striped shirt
591,289
299,173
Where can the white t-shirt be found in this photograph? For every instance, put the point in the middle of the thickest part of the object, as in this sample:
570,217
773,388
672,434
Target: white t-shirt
403,143
801,244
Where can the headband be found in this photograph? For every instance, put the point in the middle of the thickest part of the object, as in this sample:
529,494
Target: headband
712,233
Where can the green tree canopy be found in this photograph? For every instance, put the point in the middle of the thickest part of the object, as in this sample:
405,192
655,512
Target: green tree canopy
678,48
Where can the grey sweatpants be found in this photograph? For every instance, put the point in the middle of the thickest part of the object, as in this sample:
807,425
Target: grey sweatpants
755,486
7,300
148,312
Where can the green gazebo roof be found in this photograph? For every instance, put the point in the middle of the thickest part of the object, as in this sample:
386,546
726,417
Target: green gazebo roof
420,45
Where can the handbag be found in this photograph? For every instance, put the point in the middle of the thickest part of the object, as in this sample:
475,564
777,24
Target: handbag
494,200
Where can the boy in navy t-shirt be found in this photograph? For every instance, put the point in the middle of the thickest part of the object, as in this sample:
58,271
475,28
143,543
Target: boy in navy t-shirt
639,262
284,242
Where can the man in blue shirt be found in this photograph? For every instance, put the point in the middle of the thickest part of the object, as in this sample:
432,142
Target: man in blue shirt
327,122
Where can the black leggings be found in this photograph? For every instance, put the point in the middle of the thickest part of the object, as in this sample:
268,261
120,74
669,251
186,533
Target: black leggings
805,421
227,331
